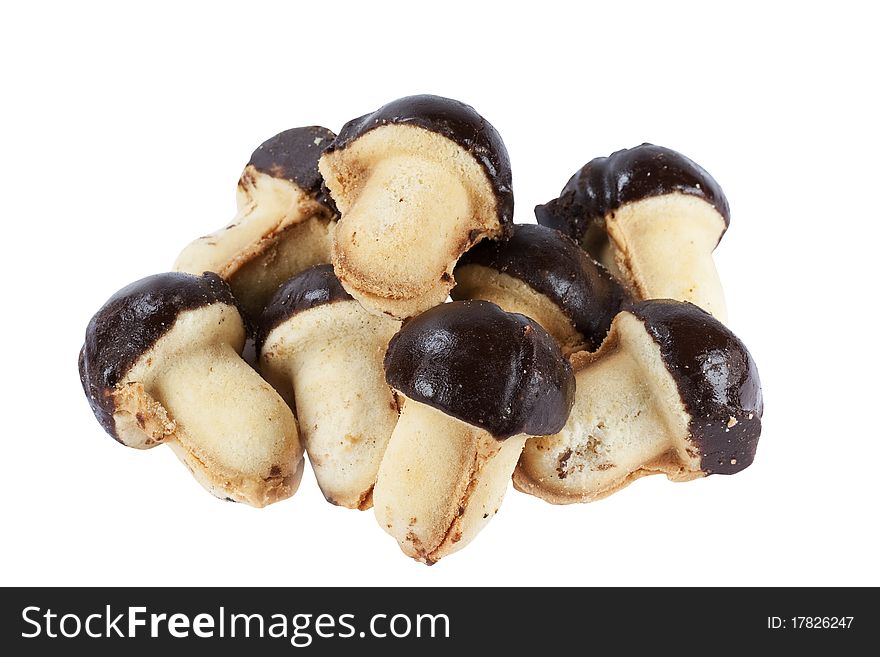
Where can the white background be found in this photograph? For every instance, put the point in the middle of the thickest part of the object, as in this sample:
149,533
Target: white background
123,135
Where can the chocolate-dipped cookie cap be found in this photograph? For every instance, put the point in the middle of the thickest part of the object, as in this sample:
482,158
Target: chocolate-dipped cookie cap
716,377
293,155
131,322
315,286
495,370
606,183
454,120
554,265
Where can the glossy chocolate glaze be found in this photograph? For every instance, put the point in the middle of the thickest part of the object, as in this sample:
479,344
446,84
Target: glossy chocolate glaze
454,120
130,323
498,371
293,155
606,183
554,265
716,377
315,286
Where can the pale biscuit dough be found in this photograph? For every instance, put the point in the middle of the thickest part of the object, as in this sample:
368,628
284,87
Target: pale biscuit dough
412,201
279,231
661,247
327,362
441,481
193,391
628,421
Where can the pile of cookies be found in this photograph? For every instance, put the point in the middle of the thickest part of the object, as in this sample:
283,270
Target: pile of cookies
577,355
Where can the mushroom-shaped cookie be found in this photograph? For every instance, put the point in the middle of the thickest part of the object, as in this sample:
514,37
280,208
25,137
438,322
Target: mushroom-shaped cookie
161,364
475,382
418,182
545,275
652,216
324,353
284,222
670,391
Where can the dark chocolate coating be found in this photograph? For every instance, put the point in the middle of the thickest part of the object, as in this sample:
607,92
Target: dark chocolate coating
293,155
554,265
130,323
454,120
315,286
498,371
606,183
716,377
